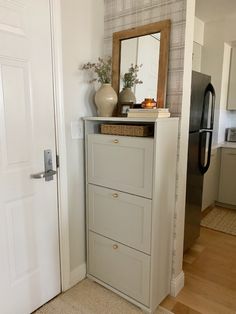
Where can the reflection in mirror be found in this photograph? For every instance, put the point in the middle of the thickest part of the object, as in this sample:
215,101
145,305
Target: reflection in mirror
143,50
147,45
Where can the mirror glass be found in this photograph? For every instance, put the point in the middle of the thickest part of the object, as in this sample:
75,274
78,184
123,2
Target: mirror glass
146,45
144,51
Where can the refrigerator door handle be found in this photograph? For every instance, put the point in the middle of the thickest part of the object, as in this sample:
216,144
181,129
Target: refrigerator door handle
204,167
213,95
209,89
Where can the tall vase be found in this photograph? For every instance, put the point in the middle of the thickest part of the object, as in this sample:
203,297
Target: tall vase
105,100
127,96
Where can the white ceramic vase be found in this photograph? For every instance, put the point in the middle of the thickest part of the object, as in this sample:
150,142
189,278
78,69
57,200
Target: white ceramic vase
105,100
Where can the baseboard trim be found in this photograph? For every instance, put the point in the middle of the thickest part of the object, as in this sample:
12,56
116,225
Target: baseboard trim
164,310
77,274
226,205
207,210
177,284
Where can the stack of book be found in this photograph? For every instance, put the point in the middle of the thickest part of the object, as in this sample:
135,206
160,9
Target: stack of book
149,113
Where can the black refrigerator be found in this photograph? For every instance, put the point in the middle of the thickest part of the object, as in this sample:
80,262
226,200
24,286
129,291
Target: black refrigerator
199,151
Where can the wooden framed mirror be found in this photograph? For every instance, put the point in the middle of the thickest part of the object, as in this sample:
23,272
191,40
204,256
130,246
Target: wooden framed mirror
147,45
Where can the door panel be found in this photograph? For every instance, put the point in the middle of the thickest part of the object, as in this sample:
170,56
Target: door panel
29,263
16,128
20,223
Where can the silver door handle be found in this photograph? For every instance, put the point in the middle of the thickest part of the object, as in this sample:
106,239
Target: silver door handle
48,171
44,174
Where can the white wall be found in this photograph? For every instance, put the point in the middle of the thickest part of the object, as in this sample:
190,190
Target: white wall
224,120
231,101
199,26
82,41
218,33
197,57
198,42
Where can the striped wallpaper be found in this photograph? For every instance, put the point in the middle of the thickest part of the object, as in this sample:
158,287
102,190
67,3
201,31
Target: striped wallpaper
124,14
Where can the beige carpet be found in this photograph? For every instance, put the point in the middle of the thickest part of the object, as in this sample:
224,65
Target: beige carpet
221,219
89,297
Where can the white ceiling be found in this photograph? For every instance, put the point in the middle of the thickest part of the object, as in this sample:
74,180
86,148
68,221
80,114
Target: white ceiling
212,10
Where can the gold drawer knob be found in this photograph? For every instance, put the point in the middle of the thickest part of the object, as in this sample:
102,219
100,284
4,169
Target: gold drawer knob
116,141
115,195
115,246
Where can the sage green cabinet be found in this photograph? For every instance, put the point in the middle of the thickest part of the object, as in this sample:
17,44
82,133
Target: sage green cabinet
227,187
130,202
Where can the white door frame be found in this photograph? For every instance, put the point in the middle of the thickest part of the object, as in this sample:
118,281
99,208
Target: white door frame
63,209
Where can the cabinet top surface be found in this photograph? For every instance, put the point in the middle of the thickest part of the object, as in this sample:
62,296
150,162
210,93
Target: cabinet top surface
226,145
125,119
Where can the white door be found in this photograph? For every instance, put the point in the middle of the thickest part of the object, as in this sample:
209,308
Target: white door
29,244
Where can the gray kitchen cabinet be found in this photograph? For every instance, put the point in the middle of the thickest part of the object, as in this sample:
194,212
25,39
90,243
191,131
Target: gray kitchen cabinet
227,186
130,201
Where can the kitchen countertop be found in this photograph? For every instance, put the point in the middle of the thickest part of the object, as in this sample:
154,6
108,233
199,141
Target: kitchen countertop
224,145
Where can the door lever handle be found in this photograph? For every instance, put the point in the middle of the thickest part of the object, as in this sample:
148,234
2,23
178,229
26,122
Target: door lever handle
49,172
44,174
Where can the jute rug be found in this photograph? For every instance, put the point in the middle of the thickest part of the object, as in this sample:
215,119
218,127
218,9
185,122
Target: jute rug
88,297
221,219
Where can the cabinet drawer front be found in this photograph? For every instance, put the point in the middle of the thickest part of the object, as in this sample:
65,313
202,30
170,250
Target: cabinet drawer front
121,162
227,193
122,217
123,268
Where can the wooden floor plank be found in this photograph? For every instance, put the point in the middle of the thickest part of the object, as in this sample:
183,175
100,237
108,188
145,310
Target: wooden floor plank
181,308
211,290
202,304
210,276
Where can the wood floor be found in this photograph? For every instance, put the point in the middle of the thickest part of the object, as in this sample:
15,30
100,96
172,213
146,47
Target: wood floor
210,277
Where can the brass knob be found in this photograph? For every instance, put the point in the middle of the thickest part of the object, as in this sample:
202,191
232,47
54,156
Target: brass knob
115,246
115,195
116,141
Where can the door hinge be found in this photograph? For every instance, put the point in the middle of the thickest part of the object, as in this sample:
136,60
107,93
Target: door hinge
58,161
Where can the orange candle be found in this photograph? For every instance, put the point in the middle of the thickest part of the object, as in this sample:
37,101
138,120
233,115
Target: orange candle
149,103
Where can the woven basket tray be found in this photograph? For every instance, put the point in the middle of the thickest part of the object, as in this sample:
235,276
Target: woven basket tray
128,130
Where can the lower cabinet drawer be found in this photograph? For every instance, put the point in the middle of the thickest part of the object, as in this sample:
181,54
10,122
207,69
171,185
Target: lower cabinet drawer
120,216
119,266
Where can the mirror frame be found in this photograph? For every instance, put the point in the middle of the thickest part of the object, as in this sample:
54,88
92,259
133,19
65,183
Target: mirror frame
162,27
